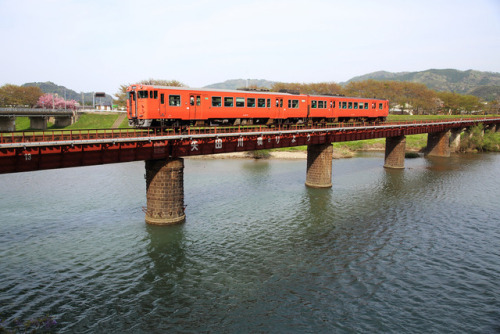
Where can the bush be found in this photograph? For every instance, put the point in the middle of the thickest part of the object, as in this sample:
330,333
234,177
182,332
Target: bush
260,154
478,140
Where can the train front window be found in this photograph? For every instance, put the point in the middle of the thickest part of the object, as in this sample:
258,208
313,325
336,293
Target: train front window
142,94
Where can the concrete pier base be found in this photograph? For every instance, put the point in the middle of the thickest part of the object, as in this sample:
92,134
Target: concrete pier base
165,191
455,140
7,124
319,165
438,144
395,152
38,123
62,122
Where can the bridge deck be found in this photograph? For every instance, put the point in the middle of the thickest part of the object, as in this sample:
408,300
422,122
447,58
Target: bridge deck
28,151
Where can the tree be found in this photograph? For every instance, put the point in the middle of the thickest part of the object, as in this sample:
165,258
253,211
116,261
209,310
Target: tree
121,95
49,101
401,94
19,96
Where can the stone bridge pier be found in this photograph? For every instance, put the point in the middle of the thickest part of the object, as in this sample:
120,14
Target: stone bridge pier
319,165
395,152
438,144
165,191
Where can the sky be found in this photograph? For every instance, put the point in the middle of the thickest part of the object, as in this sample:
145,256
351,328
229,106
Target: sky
98,45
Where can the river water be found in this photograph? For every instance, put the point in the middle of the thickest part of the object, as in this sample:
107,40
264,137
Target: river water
413,251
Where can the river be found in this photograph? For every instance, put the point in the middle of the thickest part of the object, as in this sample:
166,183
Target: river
382,251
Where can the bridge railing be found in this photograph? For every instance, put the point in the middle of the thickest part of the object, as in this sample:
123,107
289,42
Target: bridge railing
65,135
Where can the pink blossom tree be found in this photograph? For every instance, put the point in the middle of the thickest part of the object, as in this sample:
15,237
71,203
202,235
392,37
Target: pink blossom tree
49,101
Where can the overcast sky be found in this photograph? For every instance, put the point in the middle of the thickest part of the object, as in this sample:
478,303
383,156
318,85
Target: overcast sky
97,45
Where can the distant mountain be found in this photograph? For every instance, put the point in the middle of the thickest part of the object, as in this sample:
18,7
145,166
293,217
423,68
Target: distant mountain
241,83
482,84
52,88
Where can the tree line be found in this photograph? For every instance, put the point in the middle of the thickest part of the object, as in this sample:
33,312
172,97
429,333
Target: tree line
402,96
12,96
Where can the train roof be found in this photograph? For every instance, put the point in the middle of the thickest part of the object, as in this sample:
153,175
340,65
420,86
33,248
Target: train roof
251,91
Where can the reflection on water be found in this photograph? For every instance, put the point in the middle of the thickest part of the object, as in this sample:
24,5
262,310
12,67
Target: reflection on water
411,250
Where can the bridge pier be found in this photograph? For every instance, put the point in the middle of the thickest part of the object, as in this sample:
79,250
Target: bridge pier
395,152
8,124
38,123
319,165
165,191
438,144
455,140
63,121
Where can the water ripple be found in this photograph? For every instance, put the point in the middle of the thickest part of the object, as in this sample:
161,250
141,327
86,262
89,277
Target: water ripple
382,251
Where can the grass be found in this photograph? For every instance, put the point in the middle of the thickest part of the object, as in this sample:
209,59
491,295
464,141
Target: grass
418,118
93,121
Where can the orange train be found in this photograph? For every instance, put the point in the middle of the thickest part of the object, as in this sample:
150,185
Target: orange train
149,105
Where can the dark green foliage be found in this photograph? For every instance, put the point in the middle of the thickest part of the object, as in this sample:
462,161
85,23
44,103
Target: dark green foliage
260,154
474,140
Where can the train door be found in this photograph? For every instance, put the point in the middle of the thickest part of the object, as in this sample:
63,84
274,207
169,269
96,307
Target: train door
279,108
132,104
194,105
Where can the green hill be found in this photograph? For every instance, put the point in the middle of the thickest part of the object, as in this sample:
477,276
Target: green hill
52,88
482,84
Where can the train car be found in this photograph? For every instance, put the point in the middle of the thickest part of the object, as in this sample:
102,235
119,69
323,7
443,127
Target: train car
149,105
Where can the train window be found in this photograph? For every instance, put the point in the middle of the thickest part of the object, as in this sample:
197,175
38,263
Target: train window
366,105
216,101
250,102
380,105
228,101
142,94
261,103
373,105
198,101
360,105
344,105
314,104
155,95
321,104
162,98
240,101
269,103
150,94
355,105
293,104
350,105
174,100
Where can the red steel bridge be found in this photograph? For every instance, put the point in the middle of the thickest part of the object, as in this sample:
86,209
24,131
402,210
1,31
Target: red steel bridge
31,151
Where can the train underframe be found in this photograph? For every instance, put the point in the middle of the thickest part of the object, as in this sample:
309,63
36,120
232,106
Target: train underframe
178,123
